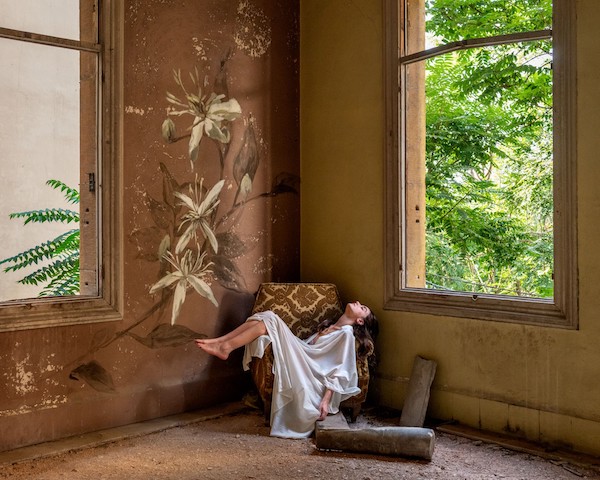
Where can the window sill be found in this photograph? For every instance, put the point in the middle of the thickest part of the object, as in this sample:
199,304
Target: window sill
57,312
539,312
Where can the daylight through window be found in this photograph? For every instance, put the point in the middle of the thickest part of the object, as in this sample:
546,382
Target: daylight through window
49,148
479,160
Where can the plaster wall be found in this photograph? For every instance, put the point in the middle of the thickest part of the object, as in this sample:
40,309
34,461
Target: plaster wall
56,382
534,382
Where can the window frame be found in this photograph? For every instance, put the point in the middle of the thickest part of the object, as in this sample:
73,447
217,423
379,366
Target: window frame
107,306
562,310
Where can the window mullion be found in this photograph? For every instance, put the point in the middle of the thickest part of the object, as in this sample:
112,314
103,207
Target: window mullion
476,43
49,40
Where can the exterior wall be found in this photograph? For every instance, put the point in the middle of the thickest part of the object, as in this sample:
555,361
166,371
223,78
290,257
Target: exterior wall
63,381
538,383
28,94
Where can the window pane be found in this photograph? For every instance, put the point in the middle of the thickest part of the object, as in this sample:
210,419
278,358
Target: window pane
44,131
57,18
488,185
453,20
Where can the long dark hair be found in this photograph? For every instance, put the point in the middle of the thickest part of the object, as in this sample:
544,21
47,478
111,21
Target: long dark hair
365,334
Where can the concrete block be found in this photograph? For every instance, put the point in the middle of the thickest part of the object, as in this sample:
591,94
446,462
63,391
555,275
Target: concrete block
395,441
417,396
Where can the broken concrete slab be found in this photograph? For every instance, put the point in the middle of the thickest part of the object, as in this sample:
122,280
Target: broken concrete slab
417,396
333,433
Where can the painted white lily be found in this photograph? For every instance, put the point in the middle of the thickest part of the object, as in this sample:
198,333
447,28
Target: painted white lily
198,215
188,272
210,113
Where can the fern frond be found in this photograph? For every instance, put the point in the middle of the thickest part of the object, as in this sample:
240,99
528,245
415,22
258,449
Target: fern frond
63,286
58,268
65,242
47,215
62,273
71,195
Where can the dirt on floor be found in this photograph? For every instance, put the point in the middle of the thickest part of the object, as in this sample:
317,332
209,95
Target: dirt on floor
239,447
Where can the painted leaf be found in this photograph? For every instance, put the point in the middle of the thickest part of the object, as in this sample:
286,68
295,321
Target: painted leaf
164,246
169,186
168,130
210,236
165,335
178,300
214,131
95,375
160,213
228,274
185,239
286,183
245,187
203,289
220,84
246,161
167,280
194,145
211,197
230,245
229,110
186,200
146,239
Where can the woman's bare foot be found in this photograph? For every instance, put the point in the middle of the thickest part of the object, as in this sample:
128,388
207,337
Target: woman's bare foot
217,349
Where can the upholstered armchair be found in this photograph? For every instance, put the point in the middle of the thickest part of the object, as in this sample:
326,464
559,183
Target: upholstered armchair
302,306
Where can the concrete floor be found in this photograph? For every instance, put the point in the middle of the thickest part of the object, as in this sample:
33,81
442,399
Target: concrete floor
232,441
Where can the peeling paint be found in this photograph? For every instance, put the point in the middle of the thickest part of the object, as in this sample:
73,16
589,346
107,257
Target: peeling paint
22,379
46,404
200,48
136,110
253,32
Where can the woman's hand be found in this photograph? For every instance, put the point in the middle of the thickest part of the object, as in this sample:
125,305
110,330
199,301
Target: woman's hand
324,405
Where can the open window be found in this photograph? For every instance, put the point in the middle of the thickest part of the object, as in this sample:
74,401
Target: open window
59,148
480,193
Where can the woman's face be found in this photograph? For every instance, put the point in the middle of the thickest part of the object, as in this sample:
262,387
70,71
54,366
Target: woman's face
357,311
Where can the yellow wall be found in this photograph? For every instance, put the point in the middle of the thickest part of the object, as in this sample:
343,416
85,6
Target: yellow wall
540,383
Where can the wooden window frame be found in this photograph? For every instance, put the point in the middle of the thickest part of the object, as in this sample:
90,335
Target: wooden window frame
107,305
562,310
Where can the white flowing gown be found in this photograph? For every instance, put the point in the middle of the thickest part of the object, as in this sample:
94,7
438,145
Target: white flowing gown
303,371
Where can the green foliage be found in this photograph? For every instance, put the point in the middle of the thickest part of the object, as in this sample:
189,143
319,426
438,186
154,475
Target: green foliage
489,151
452,20
60,272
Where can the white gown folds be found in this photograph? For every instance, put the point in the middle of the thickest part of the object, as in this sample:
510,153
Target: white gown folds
303,372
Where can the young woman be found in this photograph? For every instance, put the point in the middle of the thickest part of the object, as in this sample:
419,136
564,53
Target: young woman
312,376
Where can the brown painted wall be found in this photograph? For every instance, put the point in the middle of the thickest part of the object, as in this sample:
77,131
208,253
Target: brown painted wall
58,382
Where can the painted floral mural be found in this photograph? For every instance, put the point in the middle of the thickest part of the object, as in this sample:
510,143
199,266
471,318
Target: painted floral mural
207,209
199,245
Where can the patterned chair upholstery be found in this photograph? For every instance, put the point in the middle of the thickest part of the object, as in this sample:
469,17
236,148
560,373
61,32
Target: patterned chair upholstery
302,306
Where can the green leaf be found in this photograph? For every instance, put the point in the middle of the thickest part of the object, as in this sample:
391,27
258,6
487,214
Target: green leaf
71,195
62,274
47,215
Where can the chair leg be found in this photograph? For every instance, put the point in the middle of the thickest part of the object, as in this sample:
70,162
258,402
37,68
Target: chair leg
354,413
267,413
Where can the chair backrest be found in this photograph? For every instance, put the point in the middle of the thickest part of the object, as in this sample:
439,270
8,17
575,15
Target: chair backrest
301,305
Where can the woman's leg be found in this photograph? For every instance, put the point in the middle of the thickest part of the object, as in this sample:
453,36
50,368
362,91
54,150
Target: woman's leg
235,332
238,338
